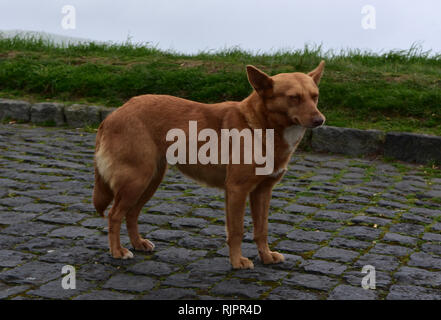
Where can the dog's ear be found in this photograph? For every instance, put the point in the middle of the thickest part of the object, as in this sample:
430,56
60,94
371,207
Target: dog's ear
260,81
317,73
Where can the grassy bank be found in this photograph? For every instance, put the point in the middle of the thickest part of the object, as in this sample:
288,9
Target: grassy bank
398,91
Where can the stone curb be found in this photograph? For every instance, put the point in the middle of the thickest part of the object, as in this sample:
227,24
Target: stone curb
407,147
76,115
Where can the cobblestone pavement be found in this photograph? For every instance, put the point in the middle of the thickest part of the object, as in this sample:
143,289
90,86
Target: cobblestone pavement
331,216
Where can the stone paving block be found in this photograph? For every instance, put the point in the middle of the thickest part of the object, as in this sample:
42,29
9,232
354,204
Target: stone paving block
12,258
323,267
36,208
285,293
42,244
215,230
279,229
15,201
189,280
179,255
408,292
171,294
200,242
362,233
432,213
73,255
95,272
314,236
296,208
61,217
436,227
29,229
425,260
398,238
320,225
154,268
235,287
33,272
398,251
382,212
362,219
349,207
171,208
261,272
169,235
188,222
72,232
416,276
349,243
100,294
333,215
125,282
311,281
8,242
335,254
345,292
407,229
15,217
211,266
285,217
297,247
431,248
9,291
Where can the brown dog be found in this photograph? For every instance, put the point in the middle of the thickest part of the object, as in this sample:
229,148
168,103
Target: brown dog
131,147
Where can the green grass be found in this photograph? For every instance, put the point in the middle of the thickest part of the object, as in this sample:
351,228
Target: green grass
393,91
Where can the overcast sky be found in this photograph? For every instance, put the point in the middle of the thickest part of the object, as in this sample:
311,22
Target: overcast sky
259,25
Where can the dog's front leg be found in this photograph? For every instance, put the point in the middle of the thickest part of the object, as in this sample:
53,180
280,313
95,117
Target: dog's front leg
259,202
235,209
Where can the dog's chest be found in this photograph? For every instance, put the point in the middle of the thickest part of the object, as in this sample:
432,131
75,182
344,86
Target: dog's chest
293,135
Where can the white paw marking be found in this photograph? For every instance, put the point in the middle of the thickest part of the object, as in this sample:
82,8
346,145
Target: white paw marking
128,255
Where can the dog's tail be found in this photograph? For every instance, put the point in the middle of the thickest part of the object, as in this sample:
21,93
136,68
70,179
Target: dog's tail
102,194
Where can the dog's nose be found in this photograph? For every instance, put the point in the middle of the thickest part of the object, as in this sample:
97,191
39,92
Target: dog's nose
318,121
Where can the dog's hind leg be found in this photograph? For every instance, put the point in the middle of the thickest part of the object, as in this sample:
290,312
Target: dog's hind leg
127,196
136,240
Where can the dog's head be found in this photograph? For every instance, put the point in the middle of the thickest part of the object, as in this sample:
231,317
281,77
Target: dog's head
290,98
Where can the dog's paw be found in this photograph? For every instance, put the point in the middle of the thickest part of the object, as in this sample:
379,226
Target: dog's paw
144,245
122,253
272,257
242,263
